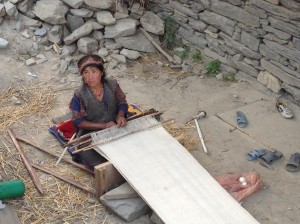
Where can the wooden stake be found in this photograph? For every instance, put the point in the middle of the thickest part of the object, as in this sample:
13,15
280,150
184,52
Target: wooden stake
170,59
28,166
76,184
53,154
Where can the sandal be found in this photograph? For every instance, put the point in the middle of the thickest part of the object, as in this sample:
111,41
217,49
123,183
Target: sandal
241,119
284,110
270,157
254,154
294,163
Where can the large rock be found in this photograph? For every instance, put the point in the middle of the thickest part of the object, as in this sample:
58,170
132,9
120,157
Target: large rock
279,73
240,47
136,11
221,22
74,22
268,53
136,42
286,27
52,12
275,9
95,25
11,9
130,54
191,37
152,23
211,54
295,92
256,11
28,22
87,45
283,50
73,3
78,33
270,81
55,35
2,10
25,5
280,34
286,69
3,43
250,41
100,4
296,43
123,27
197,24
290,4
182,9
241,65
235,13
214,45
105,18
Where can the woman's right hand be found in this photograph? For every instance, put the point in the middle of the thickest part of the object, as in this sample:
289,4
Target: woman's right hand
109,124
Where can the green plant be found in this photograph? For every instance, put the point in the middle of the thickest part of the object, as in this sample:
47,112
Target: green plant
170,32
230,77
213,67
197,57
184,54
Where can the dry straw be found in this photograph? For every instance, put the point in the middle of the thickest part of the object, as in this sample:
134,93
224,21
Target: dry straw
60,203
33,101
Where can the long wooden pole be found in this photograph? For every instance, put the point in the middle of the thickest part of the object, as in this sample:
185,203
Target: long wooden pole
27,164
56,156
147,35
76,184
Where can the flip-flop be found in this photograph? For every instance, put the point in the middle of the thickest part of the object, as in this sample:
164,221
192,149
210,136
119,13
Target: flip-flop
254,154
294,163
241,119
270,157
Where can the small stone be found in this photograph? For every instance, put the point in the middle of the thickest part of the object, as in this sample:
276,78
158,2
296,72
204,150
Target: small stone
40,32
25,34
235,96
32,74
15,100
219,76
30,62
3,43
204,72
159,63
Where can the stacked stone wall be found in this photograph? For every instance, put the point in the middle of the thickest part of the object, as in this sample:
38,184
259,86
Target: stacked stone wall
255,38
258,38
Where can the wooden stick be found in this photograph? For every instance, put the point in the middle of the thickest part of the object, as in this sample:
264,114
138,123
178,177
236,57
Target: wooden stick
28,166
170,59
65,150
53,154
200,136
88,189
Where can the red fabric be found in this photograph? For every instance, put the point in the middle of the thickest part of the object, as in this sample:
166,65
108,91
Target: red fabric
66,129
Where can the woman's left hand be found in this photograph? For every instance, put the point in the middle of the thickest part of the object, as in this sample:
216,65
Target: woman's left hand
121,121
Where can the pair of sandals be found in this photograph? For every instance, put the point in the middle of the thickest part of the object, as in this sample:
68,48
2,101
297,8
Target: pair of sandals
265,155
269,157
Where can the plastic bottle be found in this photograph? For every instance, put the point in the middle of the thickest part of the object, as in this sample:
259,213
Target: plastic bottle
11,189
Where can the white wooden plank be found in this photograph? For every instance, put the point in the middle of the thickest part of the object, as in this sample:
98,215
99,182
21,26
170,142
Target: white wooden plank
171,181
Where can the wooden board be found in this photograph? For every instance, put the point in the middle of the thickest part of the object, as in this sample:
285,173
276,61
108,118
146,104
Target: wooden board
106,178
170,180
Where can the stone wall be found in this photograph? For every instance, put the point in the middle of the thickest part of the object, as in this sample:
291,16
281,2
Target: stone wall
254,38
260,38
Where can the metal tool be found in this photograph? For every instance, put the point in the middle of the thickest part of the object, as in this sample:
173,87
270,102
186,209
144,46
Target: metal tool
200,115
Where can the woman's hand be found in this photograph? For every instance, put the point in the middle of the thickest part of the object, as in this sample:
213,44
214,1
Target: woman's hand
109,124
121,121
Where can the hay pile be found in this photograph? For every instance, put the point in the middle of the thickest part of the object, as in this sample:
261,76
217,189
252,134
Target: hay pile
60,203
183,134
32,101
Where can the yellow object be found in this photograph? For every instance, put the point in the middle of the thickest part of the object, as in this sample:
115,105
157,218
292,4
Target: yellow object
133,110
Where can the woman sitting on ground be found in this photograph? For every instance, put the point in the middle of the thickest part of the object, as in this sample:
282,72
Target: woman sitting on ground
98,104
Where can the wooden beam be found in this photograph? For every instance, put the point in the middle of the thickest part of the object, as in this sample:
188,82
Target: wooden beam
147,35
107,177
56,156
72,182
27,164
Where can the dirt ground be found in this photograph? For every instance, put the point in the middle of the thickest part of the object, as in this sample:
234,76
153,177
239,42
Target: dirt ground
180,95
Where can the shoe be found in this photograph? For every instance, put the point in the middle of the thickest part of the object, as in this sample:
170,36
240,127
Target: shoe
284,110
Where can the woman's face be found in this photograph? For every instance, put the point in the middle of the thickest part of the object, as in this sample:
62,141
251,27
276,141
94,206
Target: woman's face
91,76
